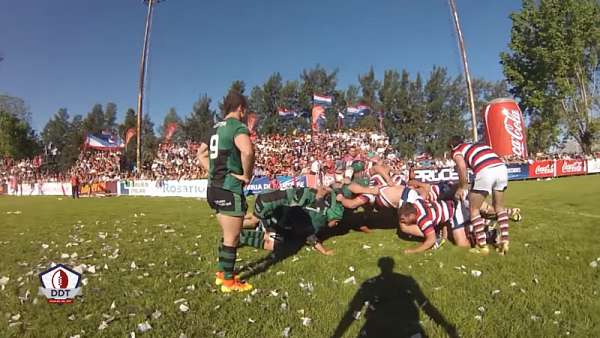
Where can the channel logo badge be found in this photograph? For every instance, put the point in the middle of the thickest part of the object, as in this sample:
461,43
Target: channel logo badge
60,284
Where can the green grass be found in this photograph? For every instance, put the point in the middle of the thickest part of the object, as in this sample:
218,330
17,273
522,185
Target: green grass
547,270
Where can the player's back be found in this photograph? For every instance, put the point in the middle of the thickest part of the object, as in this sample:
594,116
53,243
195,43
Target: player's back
224,156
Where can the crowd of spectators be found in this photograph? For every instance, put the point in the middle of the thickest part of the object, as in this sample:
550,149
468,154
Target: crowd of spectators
97,166
302,153
288,155
176,162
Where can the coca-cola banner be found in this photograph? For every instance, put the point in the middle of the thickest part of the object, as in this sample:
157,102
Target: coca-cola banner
570,167
593,166
541,169
505,128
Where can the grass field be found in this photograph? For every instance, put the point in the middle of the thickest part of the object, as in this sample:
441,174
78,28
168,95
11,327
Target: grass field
545,287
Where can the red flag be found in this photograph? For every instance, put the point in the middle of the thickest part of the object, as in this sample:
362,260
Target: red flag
169,131
129,135
317,112
251,122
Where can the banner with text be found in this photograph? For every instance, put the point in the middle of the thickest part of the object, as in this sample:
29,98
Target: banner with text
170,188
518,171
570,167
593,166
542,169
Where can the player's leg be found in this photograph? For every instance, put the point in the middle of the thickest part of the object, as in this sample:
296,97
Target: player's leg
476,198
231,209
499,187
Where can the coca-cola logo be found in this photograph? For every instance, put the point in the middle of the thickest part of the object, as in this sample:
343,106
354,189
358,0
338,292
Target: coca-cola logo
573,167
514,127
547,169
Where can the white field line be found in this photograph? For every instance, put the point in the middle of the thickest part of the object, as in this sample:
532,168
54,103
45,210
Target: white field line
572,213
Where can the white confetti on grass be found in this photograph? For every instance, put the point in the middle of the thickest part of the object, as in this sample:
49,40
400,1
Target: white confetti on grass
286,332
102,326
144,327
306,321
366,247
476,273
184,307
594,264
349,280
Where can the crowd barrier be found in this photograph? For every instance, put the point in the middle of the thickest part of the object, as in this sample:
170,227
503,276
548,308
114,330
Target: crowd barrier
197,188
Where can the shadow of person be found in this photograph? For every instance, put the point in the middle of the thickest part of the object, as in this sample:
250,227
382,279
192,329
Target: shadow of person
391,304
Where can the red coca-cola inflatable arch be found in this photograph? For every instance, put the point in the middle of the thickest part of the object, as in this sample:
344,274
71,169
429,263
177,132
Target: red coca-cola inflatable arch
505,128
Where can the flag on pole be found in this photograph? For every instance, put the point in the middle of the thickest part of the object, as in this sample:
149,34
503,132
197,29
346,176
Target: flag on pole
104,142
340,119
322,100
129,135
169,131
360,110
317,113
251,123
285,113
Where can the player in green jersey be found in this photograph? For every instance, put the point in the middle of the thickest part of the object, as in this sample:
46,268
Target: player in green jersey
228,155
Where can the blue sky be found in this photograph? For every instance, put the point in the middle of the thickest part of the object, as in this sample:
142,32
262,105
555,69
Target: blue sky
75,53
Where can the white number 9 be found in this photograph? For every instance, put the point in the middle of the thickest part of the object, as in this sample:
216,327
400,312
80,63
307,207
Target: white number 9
214,146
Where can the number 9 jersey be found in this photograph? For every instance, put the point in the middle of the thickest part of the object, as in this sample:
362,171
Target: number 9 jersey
224,156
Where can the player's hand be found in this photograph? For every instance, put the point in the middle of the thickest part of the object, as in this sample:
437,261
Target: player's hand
327,252
339,197
244,179
461,194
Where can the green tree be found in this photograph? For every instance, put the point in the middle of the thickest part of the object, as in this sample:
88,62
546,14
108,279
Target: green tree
94,122
200,120
552,67
369,86
110,117
58,133
149,141
16,107
315,81
17,139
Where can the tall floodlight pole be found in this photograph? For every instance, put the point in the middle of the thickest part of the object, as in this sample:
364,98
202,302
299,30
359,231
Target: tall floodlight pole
140,102
463,53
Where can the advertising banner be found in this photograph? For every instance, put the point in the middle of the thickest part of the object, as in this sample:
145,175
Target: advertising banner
570,167
257,185
170,188
593,166
518,171
107,188
50,188
436,175
286,182
541,169
505,128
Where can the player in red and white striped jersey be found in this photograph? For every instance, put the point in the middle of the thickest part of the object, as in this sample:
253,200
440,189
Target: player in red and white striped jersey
425,219
491,177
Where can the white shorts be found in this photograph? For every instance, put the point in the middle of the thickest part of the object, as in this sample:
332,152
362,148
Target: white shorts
491,178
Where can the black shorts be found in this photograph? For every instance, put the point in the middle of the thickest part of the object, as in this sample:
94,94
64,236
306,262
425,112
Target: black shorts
226,202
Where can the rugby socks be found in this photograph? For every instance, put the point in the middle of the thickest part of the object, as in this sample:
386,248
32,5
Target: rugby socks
227,256
479,230
503,222
252,238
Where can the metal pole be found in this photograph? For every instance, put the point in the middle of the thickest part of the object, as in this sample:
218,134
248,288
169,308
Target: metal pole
138,155
463,53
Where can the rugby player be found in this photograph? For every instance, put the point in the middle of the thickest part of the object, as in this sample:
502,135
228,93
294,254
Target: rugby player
491,177
427,219
228,156
274,225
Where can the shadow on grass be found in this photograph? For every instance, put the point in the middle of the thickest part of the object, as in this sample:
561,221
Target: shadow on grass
390,302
